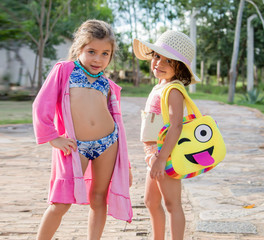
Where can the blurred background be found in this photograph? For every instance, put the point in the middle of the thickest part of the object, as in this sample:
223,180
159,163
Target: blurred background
229,38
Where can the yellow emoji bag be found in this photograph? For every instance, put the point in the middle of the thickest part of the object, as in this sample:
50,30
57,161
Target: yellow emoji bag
200,146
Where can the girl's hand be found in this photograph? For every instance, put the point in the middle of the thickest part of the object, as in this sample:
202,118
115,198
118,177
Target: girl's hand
157,168
64,144
130,177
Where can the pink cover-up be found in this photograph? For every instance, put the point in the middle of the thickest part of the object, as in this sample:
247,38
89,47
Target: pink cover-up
52,118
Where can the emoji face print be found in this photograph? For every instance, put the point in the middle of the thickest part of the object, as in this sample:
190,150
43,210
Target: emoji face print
199,146
203,133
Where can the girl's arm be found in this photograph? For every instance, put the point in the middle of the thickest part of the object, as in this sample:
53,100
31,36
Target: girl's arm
173,134
43,111
44,107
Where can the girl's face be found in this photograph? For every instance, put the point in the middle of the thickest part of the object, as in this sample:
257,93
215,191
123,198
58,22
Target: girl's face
96,55
162,67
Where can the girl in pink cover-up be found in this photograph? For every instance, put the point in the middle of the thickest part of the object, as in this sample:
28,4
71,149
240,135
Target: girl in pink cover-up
77,111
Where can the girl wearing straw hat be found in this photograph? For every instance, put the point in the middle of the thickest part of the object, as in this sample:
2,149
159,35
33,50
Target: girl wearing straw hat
170,57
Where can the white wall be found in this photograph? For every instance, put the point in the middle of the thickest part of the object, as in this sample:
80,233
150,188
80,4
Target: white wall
29,60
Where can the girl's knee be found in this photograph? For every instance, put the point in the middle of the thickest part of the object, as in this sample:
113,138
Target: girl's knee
151,203
97,199
59,208
173,206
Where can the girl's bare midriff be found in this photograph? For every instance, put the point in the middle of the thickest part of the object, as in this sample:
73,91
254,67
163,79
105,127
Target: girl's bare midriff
91,117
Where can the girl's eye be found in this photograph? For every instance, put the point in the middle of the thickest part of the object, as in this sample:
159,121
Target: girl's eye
91,52
156,56
105,53
168,61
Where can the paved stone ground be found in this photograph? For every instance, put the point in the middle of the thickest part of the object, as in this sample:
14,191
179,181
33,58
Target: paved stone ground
213,202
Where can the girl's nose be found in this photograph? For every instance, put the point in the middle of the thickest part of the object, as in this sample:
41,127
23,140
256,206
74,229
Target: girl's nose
160,62
97,58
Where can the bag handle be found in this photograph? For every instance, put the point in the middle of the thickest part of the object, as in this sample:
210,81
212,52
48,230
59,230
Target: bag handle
190,105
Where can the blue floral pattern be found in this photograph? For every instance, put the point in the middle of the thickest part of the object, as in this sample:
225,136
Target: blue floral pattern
93,149
80,80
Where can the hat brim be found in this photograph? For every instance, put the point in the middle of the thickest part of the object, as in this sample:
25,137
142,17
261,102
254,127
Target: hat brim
143,51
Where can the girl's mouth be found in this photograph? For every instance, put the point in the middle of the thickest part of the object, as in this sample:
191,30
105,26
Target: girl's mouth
95,67
158,70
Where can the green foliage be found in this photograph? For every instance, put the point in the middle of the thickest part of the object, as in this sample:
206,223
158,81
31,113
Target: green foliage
123,55
145,67
261,86
7,30
131,91
216,22
211,89
252,97
203,92
145,19
11,34
21,19
82,10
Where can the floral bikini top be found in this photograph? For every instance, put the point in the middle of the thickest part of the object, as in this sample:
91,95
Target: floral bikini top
80,80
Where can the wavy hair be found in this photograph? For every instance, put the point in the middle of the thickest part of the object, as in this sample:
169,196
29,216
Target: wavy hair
89,31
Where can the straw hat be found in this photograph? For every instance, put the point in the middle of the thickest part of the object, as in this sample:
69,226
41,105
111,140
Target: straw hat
171,44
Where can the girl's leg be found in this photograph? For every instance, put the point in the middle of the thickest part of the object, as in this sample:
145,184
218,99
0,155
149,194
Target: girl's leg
84,162
52,217
153,203
51,220
171,192
102,169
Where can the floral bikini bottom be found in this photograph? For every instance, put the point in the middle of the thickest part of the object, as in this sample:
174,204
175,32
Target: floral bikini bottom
93,149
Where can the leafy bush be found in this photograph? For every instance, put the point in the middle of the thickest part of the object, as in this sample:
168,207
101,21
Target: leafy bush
252,97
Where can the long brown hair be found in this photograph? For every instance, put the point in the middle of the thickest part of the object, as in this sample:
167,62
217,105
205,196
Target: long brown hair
87,32
182,73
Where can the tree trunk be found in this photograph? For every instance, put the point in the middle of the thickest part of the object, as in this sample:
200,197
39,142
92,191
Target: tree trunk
192,87
250,53
255,75
233,70
136,35
35,72
202,72
40,63
134,69
218,72
7,76
223,80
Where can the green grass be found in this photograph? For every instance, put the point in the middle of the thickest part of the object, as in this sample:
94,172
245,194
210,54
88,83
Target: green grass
224,99
128,90
18,112
15,112
203,92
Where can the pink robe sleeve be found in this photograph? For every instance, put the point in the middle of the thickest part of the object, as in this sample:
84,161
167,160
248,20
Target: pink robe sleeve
45,105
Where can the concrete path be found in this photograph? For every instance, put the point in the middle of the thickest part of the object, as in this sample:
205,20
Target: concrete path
213,202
